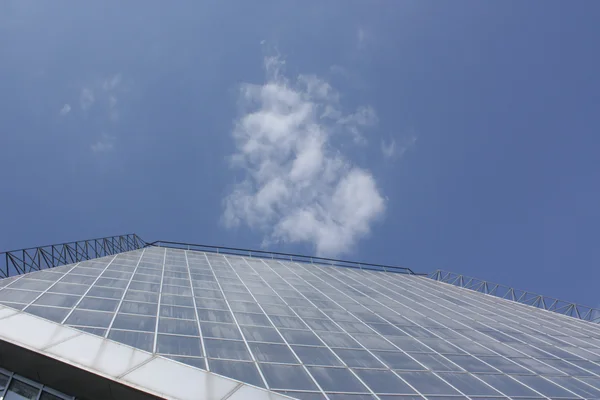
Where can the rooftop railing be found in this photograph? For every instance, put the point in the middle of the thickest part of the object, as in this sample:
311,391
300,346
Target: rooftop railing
520,296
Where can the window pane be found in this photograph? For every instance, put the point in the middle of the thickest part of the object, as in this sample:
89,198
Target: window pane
261,334
382,381
337,379
287,377
427,383
179,345
272,353
358,358
3,382
228,349
243,371
468,384
300,337
316,356
220,331
21,391
140,340
135,322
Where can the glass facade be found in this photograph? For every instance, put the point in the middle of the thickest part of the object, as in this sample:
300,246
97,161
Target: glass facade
314,331
15,387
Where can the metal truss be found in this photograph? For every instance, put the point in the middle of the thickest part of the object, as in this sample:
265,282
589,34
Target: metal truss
22,261
282,256
520,296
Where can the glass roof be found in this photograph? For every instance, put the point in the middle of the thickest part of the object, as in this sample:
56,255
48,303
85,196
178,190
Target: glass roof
315,332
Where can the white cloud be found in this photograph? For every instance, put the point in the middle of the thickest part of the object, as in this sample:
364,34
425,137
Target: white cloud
65,110
361,38
86,99
113,113
388,149
391,149
111,83
298,188
104,144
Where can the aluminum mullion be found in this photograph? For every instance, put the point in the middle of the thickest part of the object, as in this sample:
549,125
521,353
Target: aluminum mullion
187,264
162,278
521,341
333,321
362,322
276,328
88,289
538,359
237,324
10,378
383,318
124,294
472,355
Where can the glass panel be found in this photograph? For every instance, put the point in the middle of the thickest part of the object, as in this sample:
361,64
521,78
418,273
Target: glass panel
110,293
220,331
21,391
373,342
334,339
139,340
228,349
178,326
382,381
243,371
304,395
543,386
507,385
287,377
57,300
215,316
179,345
266,352
468,384
505,365
96,304
316,356
135,322
131,307
577,387
436,362
49,396
337,379
3,381
211,303
398,360
68,288
300,337
18,296
261,334
427,383
178,312
146,297
51,313
197,362
358,358
90,318
471,364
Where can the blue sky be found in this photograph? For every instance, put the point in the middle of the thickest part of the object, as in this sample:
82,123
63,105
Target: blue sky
452,135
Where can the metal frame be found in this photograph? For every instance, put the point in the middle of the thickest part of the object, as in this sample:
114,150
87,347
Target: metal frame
282,256
17,262
517,295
